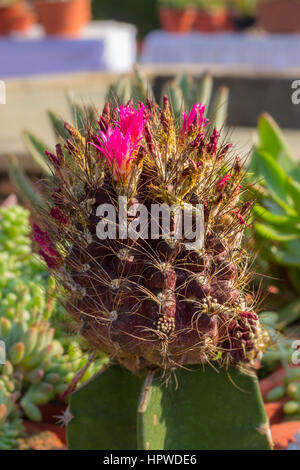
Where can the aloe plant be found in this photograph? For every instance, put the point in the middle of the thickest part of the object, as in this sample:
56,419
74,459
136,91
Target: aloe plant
278,208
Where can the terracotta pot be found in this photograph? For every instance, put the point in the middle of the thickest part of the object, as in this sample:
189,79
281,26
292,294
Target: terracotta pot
279,16
16,18
175,20
211,22
32,428
63,18
87,11
52,410
50,413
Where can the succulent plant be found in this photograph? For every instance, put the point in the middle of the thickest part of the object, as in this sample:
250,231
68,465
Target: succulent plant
40,363
284,353
290,391
11,428
277,211
155,303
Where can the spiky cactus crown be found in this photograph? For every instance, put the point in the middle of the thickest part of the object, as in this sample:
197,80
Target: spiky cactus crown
152,302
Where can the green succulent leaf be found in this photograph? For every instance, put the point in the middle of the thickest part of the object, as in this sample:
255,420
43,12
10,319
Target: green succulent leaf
186,84
277,182
294,276
271,233
253,168
204,90
36,149
81,114
120,93
219,108
285,258
293,188
273,141
143,87
288,315
269,319
176,98
23,184
58,125
275,219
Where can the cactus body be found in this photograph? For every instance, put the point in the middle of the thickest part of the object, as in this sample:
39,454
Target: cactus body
153,302
107,409
206,411
156,303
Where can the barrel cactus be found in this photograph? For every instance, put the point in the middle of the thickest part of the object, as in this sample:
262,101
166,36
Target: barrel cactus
158,302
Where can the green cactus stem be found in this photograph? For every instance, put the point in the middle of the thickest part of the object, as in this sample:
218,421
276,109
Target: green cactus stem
103,413
200,409
208,410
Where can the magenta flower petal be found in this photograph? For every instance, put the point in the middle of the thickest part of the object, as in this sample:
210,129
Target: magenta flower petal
194,118
119,143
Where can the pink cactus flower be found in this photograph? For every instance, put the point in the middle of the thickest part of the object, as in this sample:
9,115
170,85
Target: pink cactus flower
132,121
120,144
118,150
193,118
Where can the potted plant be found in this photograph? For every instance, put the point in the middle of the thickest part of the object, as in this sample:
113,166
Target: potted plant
212,16
177,16
243,13
279,16
63,17
15,15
